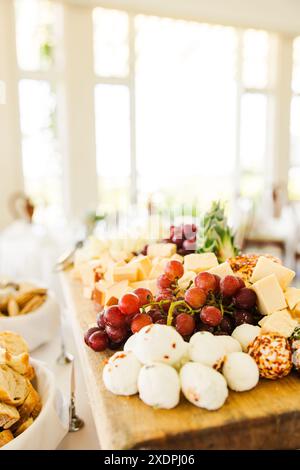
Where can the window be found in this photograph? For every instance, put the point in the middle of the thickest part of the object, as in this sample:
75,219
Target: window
294,172
36,33
200,96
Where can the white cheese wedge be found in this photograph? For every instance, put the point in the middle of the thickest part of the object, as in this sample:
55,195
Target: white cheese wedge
88,274
292,296
150,284
177,257
186,279
129,271
156,271
144,266
199,262
279,322
265,266
116,290
164,250
222,270
269,295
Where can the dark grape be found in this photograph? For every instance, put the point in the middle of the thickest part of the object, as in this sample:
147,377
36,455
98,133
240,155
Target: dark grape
189,245
243,316
227,324
245,298
178,241
165,295
117,335
139,321
212,316
144,250
88,333
100,320
98,340
162,321
114,317
112,345
155,315
185,324
203,327
229,285
241,282
206,281
221,333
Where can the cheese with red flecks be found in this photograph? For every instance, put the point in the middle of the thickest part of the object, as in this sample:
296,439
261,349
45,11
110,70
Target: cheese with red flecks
269,295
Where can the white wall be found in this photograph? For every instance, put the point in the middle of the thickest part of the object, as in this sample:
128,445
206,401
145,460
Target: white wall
11,178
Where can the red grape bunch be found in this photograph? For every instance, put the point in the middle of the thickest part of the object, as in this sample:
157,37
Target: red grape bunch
184,236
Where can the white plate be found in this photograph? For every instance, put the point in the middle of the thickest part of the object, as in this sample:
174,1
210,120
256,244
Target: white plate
37,327
51,425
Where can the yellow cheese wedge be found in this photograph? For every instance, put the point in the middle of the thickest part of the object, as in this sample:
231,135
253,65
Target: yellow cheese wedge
265,266
199,262
129,271
292,296
279,322
144,266
222,270
296,312
186,279
164,250
269,295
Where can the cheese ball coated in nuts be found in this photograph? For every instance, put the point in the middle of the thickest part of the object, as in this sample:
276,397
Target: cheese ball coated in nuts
272,354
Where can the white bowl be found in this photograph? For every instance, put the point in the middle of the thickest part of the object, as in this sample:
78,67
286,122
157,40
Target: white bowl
51,425
37,327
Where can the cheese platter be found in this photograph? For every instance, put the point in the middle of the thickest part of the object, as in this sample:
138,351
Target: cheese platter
188,349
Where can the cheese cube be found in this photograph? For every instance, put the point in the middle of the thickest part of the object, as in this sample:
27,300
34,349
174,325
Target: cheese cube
279,322
222,270
296,312
156,271
144,265
129,271
177,257
292,296
117,290
199,262
161,249
87,272
147,284
186,279
269,295
87,292
265,266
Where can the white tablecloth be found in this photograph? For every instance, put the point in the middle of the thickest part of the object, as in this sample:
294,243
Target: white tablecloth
86,438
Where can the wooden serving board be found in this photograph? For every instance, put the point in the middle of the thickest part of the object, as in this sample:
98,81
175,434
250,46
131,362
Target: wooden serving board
267,417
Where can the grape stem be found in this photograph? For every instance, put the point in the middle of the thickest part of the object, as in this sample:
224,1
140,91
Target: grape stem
172,308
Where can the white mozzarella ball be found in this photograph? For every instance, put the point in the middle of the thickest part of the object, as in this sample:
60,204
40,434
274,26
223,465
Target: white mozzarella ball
206,349
185,358
159,385
203,386
245,334
159,343
130,343
230,344
240,371
120,374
